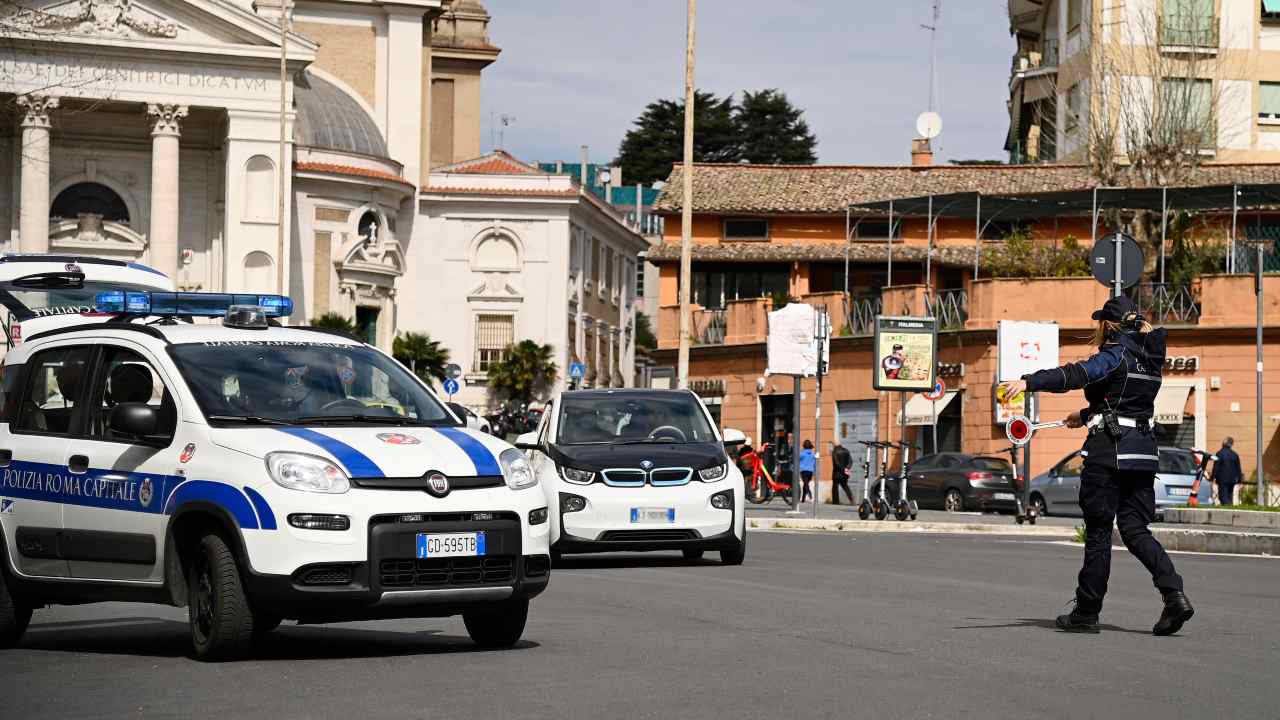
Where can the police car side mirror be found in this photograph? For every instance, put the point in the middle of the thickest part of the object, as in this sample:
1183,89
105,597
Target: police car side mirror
136,420
460,411
528,441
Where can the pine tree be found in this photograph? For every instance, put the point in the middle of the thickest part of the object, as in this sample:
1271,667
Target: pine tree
771,131
657,141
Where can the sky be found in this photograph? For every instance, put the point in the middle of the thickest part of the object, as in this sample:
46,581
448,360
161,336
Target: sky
578,72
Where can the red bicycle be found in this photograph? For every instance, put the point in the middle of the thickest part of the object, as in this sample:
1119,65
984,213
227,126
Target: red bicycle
761,487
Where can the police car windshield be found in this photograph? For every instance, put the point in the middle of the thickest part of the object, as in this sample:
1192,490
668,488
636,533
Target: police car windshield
592,418
303,383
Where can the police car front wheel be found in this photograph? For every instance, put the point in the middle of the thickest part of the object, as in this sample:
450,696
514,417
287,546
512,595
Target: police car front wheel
222,623
500,625
14,616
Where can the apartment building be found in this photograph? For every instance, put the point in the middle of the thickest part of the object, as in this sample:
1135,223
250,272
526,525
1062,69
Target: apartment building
1089,74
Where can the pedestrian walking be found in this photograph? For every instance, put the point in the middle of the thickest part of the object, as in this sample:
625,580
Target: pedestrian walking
1226,472
808,465
1117,483
841,462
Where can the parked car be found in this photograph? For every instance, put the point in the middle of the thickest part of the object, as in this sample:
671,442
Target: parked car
955,481
1057,491
473,421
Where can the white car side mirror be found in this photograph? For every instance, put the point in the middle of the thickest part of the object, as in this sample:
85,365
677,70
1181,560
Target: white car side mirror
731,436
527,441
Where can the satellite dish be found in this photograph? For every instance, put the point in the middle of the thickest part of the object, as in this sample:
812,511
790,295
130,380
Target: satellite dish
929,124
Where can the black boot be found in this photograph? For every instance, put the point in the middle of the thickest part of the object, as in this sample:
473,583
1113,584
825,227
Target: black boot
1078,621
1177,610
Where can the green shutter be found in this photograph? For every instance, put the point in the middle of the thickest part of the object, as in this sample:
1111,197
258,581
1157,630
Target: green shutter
1271,6
1269,94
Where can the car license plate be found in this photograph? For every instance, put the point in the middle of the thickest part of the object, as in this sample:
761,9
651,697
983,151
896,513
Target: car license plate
1004,496
450,544
1180,492
653,515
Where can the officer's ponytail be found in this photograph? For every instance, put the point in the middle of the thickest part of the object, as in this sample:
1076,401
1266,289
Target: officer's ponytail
1132,322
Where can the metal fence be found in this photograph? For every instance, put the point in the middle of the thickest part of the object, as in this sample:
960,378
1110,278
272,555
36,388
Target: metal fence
860,314
649,223
950,307
1165,304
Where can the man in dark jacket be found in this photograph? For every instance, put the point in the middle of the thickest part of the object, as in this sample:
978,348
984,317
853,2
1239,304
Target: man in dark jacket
841,461
1226,472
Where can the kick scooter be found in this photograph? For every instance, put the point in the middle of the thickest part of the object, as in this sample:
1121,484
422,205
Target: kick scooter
905,508
868,460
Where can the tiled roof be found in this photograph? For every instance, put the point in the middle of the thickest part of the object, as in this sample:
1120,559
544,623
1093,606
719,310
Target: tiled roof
955,256
350,170
827,189
571,192
498,162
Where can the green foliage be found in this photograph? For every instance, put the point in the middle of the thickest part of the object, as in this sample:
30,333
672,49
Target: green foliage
977,162
764,128
1080,536
1189,256
421,354
1248,492
782,299
335,321
1020,256
527,372
645,339
771,131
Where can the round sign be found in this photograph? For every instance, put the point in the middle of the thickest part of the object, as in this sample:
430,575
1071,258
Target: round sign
451,386
1018,430
1103,259
453,370
937,393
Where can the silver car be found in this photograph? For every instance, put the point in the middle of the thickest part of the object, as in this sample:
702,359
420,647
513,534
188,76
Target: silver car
1057,491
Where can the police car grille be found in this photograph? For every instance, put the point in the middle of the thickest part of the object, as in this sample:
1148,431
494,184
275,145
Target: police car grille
409,572
460,482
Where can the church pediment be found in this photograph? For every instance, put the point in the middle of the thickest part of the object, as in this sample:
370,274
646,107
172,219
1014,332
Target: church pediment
496,287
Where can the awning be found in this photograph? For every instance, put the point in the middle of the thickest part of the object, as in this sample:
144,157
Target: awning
1271,6
1170,403
920,411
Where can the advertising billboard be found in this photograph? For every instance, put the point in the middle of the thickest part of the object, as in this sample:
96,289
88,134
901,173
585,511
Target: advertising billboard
906,351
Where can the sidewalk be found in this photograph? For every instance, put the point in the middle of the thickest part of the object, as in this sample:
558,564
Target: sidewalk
844,518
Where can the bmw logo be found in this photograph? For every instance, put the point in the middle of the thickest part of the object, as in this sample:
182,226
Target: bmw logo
144,492
646,464
437,484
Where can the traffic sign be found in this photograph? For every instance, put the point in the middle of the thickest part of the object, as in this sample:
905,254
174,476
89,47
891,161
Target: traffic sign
451,386
453,370
577,370
1106,254
937,393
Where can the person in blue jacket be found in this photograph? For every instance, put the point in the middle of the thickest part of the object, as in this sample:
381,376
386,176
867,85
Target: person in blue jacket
1120,382
808,466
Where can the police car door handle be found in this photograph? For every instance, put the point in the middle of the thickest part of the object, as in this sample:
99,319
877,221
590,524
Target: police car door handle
78,464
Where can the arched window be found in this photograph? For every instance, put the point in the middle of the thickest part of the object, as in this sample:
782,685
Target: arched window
369,227
260,188
259,272
89,197
497,252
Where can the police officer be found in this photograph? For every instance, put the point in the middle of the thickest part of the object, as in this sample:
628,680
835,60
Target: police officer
1120,381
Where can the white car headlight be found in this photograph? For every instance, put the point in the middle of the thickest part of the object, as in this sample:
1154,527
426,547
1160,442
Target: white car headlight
576,476
516,470
713,474
298,471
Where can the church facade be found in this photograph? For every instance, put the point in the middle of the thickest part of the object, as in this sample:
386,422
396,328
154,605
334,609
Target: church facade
152,130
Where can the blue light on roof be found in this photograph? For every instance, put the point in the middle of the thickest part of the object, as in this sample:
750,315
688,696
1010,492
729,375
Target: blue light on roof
190,304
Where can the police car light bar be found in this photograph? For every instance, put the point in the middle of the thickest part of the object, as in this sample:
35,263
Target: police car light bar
191,304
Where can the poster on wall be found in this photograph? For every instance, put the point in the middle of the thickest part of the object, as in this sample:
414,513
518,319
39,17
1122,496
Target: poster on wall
1026,347
906,351
1007,407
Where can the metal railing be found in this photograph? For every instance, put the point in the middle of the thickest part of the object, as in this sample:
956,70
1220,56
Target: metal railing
1195,30
649,223
708,327
860,314
1044,55
950,307
1165,304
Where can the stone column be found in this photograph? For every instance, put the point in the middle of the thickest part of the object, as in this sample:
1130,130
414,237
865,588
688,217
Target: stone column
165,194
33,223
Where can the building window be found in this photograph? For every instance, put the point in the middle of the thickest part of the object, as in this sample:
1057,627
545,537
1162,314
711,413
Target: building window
1187,106
712,288
497,252
1075,11
750,229
90,197
1075,102
259,189
593,259
608,269
1270,11
640,275
1189,23
877,230
1269,98
494,335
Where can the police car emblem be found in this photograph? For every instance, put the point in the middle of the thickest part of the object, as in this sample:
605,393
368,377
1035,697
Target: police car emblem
144,492
646,464
437,484
398,439
72,268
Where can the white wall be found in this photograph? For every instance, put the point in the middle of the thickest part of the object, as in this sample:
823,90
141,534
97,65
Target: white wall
1237,22
1235,114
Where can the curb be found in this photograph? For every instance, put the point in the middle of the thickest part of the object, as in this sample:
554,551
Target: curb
894,526
1217,541
1259,519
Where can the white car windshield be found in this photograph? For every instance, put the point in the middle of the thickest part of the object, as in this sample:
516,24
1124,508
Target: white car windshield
597,418
296,383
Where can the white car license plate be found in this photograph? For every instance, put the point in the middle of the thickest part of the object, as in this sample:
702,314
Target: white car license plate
1004,496
653,515
450,544
1180,492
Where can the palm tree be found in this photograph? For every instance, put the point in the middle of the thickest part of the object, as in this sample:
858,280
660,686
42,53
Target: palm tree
423,355
335,321
527,371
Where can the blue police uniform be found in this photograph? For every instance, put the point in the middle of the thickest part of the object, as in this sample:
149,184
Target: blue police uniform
1117,483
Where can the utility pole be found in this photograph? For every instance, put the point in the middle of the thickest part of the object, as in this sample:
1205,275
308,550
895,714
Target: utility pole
1257,289
281,167
686,210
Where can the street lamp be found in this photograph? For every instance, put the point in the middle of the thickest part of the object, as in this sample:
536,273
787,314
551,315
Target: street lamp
1260,244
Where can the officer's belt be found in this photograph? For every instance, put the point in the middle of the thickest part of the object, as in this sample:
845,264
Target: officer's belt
1097,420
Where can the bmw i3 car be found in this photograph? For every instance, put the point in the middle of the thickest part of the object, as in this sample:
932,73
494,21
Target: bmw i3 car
638,470
252,473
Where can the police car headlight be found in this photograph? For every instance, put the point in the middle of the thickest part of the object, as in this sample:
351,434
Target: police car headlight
714,473
516,470
309,473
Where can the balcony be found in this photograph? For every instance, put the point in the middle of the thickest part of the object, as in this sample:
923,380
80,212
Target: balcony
1041,56
1165,304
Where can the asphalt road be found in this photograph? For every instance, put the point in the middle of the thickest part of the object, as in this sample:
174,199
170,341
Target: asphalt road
813,625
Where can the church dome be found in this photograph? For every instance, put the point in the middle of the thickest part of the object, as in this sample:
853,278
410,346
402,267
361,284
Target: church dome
330,119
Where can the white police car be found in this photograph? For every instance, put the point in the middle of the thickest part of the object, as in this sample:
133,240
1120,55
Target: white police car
253,473
638,470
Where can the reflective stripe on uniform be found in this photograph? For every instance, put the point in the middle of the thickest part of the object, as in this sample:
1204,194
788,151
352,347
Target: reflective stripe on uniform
1140,376
1137,456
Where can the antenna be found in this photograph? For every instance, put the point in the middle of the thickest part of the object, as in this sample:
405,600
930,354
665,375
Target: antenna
506,121
933,48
